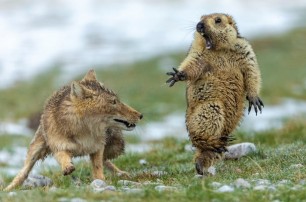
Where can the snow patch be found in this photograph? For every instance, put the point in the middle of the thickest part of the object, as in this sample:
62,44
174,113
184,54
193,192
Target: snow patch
77,35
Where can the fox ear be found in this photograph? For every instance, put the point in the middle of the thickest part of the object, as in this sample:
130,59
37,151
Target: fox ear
90,76
76,90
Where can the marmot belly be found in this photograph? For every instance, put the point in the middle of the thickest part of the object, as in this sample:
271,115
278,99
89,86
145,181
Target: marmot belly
215,106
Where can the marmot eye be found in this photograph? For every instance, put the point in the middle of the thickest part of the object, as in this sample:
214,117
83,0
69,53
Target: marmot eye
218,20
114,102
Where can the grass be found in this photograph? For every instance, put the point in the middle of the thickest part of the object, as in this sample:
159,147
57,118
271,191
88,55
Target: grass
269,162
142,85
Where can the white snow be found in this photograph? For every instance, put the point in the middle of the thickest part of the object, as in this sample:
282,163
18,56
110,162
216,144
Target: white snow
19,128
76,35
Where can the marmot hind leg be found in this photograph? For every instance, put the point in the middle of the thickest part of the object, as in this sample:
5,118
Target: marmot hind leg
206,125
205,159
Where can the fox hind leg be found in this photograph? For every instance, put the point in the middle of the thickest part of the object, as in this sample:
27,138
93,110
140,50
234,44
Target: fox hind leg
37,150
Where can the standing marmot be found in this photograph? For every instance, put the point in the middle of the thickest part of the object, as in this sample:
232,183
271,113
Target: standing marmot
220,70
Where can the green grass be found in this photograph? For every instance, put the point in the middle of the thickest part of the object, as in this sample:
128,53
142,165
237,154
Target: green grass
283,65
269,162
142,85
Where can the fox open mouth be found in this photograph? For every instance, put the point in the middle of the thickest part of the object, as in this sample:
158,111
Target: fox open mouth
127,124
208,40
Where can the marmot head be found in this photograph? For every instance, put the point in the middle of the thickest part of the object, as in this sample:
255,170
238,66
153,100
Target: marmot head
96,103
219,31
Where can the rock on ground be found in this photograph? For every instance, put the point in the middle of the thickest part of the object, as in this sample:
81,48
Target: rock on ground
242,183
128,183
37,181
98,184
161,188
225,188
239,150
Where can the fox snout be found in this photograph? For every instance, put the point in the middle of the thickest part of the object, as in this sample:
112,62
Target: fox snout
127,118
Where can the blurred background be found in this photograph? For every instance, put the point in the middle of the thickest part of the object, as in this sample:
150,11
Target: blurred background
131,44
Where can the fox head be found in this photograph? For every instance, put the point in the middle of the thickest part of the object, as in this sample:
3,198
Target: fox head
96,103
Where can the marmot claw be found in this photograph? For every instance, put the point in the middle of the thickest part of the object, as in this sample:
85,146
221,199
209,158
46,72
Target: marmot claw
175,76
256,102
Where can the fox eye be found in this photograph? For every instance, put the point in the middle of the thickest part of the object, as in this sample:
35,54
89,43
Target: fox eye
218,20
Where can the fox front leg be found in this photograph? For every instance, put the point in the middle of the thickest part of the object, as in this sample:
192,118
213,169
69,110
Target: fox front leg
65,161
176,75
97,164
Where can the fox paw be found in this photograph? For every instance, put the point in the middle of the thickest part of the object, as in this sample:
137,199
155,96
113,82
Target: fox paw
68,170
123,174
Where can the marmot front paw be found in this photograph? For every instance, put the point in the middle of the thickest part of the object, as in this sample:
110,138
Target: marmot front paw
256,102
175,76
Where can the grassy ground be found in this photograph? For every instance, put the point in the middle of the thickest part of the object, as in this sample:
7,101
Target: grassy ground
282,61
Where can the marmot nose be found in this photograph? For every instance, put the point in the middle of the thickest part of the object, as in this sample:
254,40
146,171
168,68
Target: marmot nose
200,27
141,116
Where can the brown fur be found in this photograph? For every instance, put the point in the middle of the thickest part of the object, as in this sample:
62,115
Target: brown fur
220,70
84,118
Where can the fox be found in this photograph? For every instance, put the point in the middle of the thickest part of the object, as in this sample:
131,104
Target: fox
83,118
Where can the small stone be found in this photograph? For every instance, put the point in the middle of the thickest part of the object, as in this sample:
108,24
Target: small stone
161,188
216,184
159,173
128,183
239,150
262,182
98,184
12,193
77,200
302,182
133,190
260,187
63,199
242,183
225,188
211,170
295,166
264,187
110,188
37,181
143,162
284,182
152,183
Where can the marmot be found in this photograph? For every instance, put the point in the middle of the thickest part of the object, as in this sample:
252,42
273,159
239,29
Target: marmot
221,70
83,118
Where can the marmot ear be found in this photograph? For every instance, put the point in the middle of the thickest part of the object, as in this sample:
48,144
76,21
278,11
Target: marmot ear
90,76
232,22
